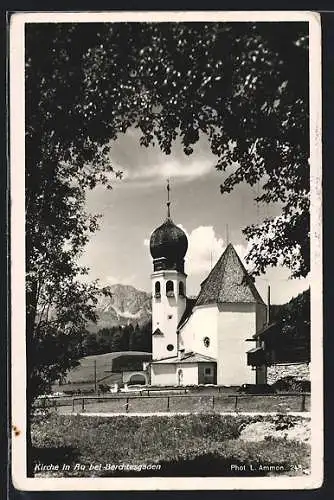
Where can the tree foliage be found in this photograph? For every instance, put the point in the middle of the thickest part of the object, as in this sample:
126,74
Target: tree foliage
118,338
289,336
294,318
243,85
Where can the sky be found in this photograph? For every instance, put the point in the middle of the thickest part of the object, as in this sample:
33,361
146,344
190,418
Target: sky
119,251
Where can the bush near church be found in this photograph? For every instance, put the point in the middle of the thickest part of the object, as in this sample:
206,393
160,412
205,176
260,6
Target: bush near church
292,384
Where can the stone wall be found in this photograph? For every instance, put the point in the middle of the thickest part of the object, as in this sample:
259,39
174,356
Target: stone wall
299,370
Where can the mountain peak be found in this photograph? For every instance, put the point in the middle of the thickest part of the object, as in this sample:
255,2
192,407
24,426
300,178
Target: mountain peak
123,305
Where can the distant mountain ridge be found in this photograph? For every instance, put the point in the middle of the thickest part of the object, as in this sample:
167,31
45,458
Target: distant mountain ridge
125,305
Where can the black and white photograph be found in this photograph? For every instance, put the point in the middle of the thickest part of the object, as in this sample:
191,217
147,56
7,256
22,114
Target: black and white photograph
166,250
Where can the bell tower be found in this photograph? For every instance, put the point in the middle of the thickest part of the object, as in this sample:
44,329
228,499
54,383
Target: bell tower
168,247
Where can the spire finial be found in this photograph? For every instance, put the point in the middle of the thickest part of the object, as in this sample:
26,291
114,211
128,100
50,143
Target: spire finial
227,235
168,200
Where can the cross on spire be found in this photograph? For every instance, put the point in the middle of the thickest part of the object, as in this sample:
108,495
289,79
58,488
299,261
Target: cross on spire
168,200
227,235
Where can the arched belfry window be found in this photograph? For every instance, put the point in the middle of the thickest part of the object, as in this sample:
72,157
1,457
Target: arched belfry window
157,290
181,289
170,289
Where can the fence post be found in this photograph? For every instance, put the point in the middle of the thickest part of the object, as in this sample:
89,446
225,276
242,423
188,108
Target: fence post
72,405
167,403
127,405
83,404
303,402
236,403
213,401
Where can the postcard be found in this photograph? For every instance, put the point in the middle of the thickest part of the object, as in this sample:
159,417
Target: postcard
166,250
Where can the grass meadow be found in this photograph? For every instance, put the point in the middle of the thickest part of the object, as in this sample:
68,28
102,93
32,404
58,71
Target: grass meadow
182,445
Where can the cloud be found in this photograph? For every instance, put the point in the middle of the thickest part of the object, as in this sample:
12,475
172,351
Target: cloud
205,247
175,169
143,167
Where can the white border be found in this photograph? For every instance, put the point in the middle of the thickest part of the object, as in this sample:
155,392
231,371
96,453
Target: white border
17,162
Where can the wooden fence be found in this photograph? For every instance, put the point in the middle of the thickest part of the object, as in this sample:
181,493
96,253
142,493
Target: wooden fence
212,399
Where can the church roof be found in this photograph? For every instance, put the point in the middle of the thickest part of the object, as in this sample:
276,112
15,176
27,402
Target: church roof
228,282
190,303
189,357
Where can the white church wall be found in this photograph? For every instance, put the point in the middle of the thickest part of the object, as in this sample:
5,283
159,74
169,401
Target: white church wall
227,329
168,374
236,323
163,374
189,373
202,323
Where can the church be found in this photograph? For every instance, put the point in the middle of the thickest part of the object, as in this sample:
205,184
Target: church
202,340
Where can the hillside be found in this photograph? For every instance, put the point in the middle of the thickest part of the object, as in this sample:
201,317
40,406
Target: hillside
108,369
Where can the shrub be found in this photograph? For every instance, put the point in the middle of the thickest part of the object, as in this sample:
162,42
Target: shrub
292,384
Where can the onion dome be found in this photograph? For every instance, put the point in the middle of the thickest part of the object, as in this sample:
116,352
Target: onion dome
168,244
168,241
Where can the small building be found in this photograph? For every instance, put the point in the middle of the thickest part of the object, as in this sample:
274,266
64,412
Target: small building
185,369
273,347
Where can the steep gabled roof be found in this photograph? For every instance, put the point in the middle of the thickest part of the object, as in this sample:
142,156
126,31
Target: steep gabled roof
190,303
228,282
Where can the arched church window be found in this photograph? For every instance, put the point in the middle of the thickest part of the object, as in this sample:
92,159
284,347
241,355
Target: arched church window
181,289
170,289
157,290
